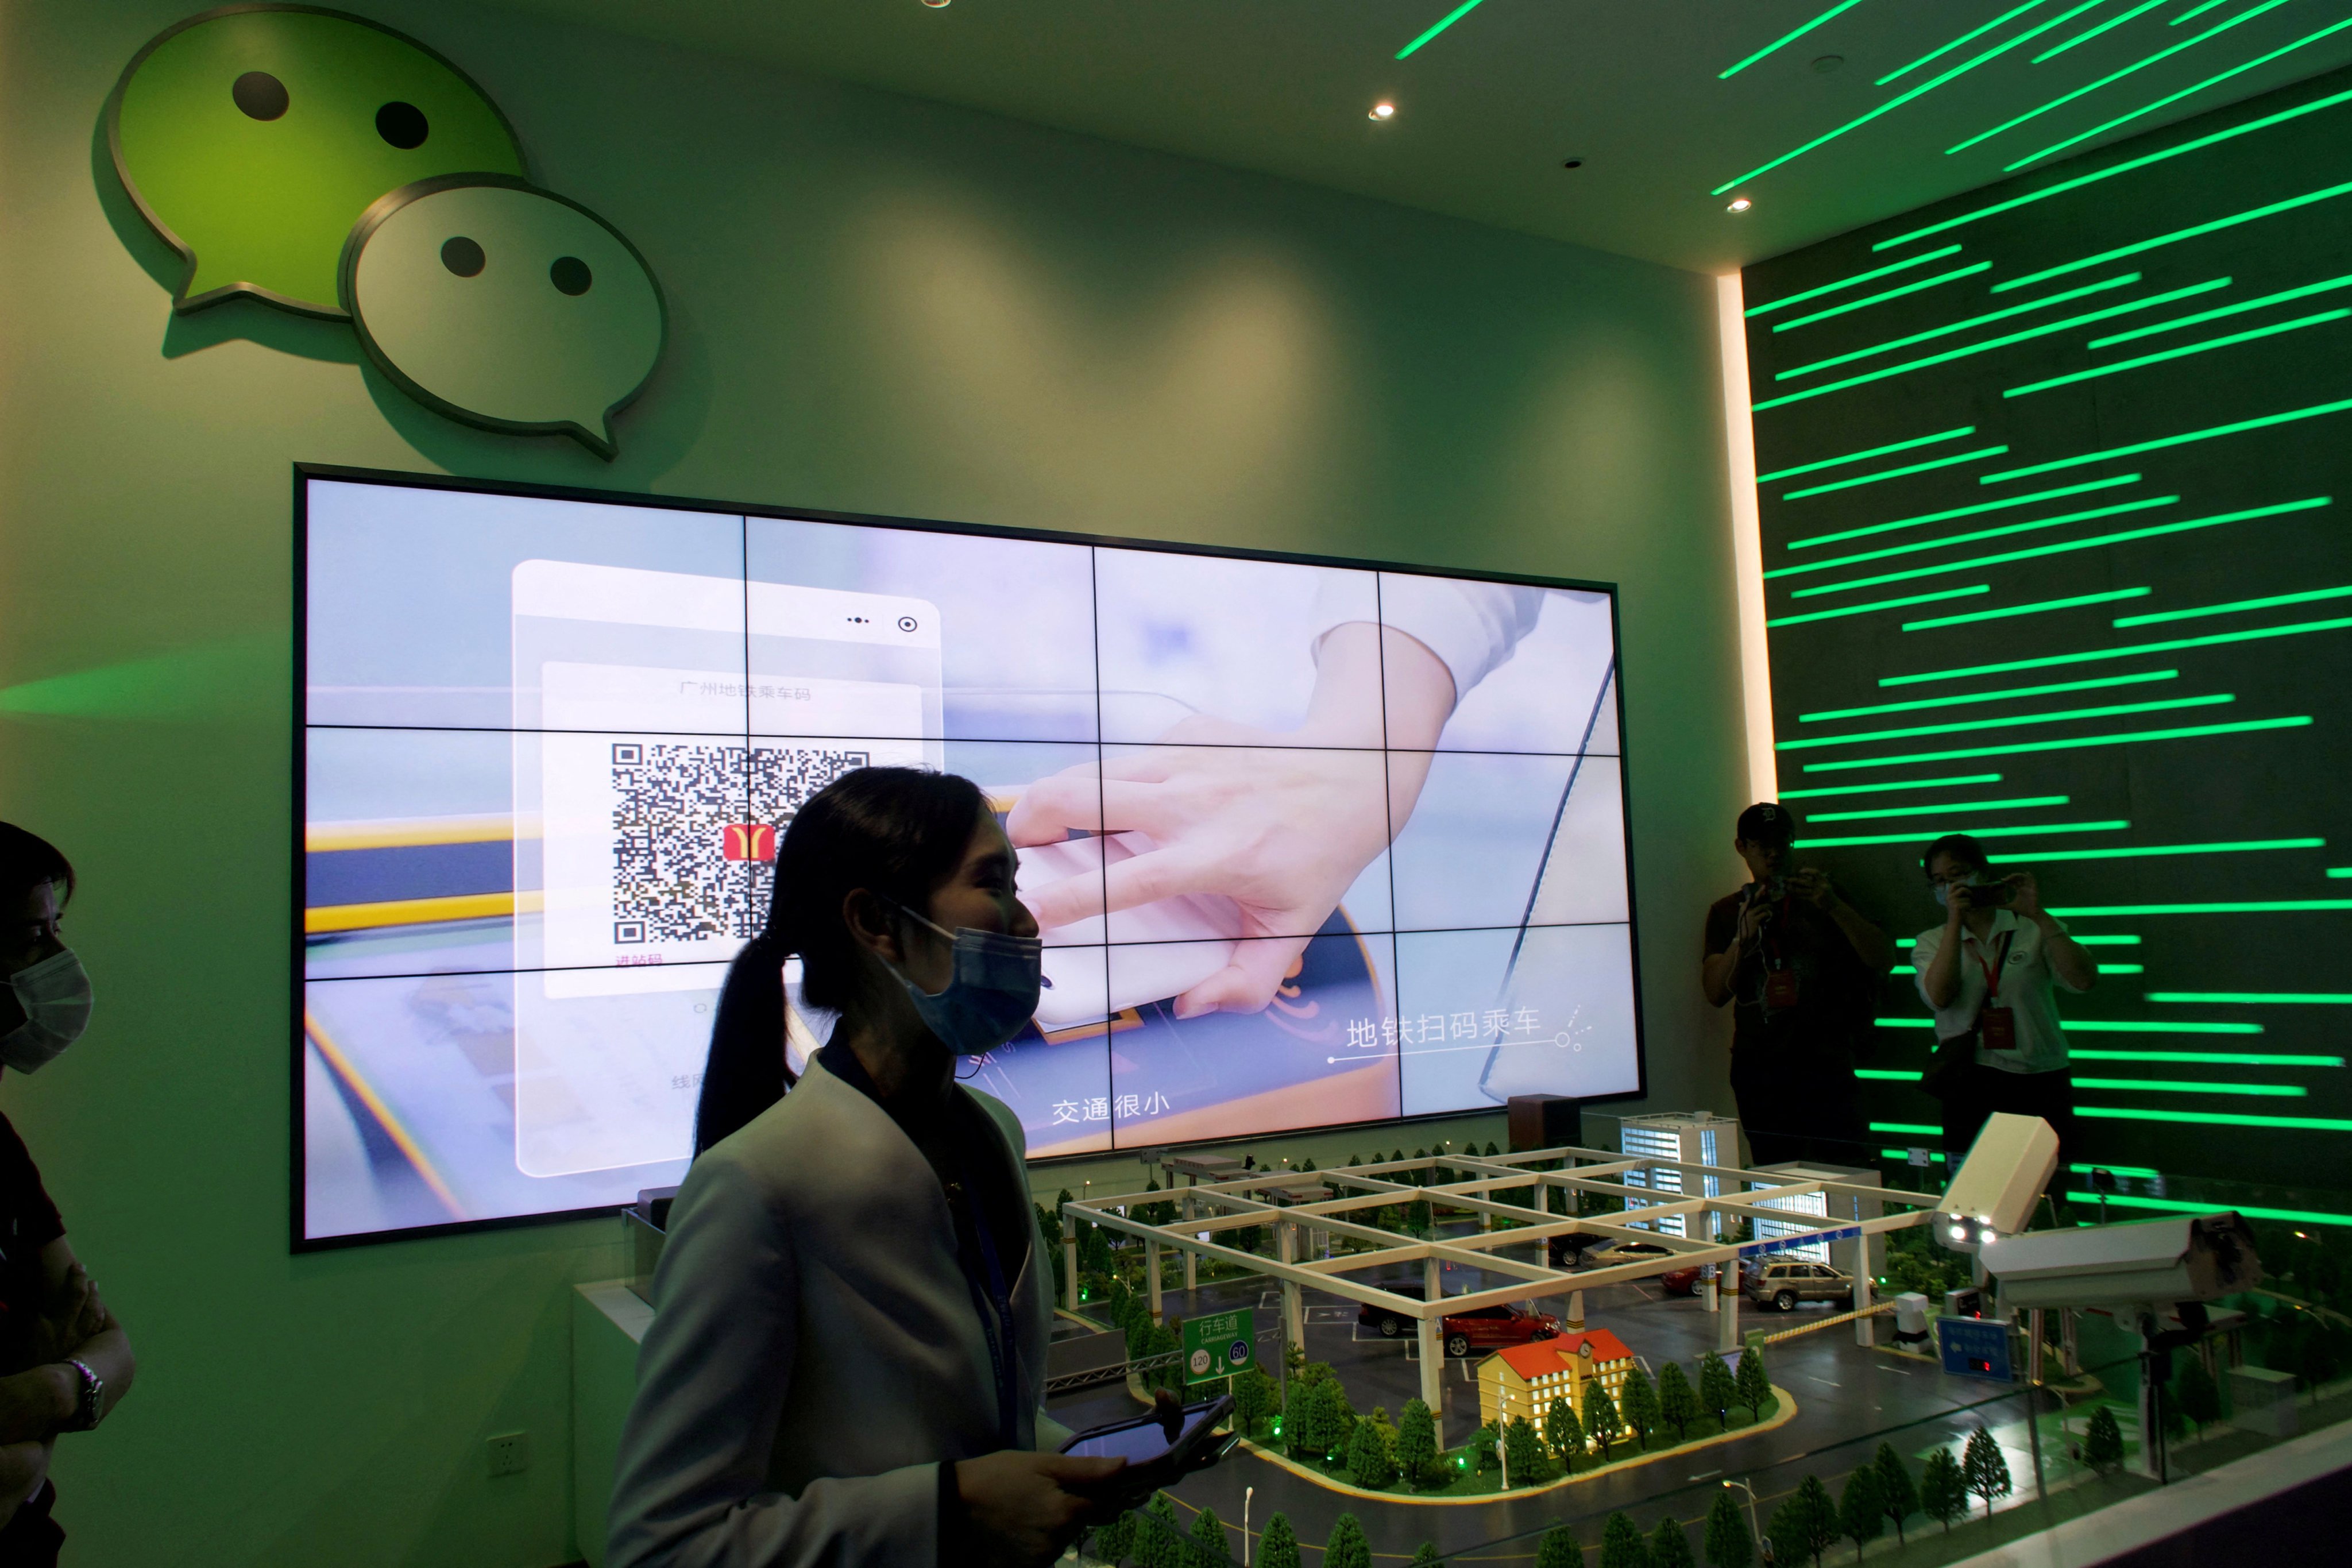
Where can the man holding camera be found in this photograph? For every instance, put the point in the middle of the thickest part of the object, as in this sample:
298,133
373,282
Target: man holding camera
1992,971
1801,968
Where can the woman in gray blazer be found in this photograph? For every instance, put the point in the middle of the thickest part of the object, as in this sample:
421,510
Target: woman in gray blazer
846,1361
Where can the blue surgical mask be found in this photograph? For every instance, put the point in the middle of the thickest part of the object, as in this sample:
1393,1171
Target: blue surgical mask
1944,892
990,993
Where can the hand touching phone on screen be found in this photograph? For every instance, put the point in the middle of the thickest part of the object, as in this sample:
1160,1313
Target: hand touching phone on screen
1279,822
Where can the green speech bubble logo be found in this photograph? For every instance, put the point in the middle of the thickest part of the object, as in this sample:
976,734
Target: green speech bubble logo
504,305
254,136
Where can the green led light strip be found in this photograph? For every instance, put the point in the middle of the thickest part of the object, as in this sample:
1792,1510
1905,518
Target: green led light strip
1905,1154
1877,605
1887,1075
2212,1118
2233,608
1882,788
2196,145
1970,537
2033,609
2132,650
2141,678
2014,720
2196,10
1880,298
1905,1023
2114,76
2133,738
2183,353
2244,846
2172,98
2019,803
1970,36
2121,968
1919,1126
1978,509
2219,311
1948,328
2195,1086
2212,1058
2257,998
2004,341
2140,1171
2252,215
1469,6
2155,1026
2106,942
2259,907
1895,473
1810,843
2125,1200
2235,427
1788,38
2097,541
1817,291
1869,452
2340,871
1897,101
2142,9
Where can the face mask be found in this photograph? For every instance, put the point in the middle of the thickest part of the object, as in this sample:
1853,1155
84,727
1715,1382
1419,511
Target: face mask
992,992
1944,892
55,994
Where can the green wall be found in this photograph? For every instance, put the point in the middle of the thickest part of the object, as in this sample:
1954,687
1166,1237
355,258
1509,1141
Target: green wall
878,305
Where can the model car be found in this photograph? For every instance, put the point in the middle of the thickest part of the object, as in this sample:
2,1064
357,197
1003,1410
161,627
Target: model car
1681,1281
1614,1254
1783,1285
1480,1328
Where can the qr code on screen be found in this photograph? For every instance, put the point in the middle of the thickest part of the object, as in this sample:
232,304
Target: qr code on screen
695,828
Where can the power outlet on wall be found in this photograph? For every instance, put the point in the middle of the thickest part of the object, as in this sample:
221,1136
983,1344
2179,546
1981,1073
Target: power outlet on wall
510,1453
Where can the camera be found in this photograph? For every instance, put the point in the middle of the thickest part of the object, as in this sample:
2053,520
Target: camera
1990,894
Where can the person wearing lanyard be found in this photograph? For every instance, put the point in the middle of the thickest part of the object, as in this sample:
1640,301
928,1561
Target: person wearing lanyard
846,1360
1992,971
1801,968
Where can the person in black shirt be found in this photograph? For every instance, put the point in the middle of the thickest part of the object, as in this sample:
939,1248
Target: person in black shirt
65,1360
1801,968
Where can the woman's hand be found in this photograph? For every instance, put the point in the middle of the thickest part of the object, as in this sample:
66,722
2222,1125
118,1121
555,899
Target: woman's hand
1020,1508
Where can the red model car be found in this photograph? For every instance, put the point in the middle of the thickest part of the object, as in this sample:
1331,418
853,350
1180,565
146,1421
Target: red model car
1482,1328
1680,1281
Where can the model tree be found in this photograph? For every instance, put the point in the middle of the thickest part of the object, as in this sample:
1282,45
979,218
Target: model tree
1416,1444
1622,1545
1255,1394
1754,1385
1278,1547
1896,1496
1159,1540
1484,1445
1525,1449
1943,1494
1717,1390
1638,1398
1984,1469
1370,1463
1417,1218
2198,1399
1669,1547
1677,1403
1564,1433
1601,1419
1862,1512
1425,1557
1559,1550
1339,1416
2103,1445
1727,1543
1804,1526
1208,1541
1114,1539
1346,1548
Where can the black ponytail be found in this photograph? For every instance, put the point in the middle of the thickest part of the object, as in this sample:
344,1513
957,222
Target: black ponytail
898,831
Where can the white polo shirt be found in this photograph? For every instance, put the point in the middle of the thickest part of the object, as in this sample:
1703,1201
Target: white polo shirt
2027,987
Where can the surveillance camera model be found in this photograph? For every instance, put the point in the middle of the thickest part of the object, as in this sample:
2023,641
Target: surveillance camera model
1996,1187
2198,1258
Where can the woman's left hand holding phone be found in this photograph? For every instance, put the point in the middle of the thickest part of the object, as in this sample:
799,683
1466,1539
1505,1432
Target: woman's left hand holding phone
1027,1508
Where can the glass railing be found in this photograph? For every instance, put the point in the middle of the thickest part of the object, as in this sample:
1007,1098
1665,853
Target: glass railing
1883,1450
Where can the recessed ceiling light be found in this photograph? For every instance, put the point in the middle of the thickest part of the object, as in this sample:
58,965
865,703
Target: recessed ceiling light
1571,163
1738,205
935,5
1384,109
1824,64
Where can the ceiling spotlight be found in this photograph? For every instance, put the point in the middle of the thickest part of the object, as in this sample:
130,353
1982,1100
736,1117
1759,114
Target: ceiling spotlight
1571,162
936,4
1824,65
1738,205
1384,109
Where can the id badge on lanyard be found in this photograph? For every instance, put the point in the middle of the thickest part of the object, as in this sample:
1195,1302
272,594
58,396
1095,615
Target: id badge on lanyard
1781,986
1996,1025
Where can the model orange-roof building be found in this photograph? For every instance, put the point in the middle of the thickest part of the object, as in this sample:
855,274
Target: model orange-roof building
1521,1381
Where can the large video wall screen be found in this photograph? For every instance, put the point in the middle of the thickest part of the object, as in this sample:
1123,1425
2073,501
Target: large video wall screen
549,744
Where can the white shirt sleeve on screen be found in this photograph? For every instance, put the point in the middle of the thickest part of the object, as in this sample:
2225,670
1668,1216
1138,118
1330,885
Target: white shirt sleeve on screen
1471,626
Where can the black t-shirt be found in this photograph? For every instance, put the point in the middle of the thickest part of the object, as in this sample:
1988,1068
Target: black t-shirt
29,1221
1801,987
